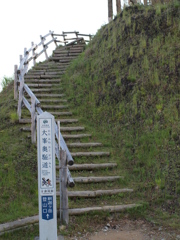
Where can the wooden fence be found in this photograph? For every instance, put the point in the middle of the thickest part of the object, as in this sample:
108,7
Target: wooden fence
61,150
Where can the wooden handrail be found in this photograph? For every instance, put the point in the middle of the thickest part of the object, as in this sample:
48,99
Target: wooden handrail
59,35
31,94
70,32
25,60
34,108
50,41
26,103
50,33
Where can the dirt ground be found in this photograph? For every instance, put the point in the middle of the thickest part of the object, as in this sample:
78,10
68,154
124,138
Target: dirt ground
129,230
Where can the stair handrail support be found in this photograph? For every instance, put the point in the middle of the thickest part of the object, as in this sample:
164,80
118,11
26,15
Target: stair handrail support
61,150
64,214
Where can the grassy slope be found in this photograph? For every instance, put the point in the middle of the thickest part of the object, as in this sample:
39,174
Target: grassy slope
18,171
126,85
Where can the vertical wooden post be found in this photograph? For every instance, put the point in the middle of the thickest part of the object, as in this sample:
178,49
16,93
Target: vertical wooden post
59,172
110,10
25,64
25,49
15,83
64,210
33,119
42,41
21,93
64,38
53,38
20,58
33,53
118,6
76,33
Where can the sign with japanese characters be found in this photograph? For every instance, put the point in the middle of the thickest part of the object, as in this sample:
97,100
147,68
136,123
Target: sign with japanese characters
46,176
47,207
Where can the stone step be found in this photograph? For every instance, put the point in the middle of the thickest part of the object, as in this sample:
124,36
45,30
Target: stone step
67,120
58,67
116,208
43,76
45,90
72,51
51,64
95,179
44,72
54,106
49,76
28,129
50,68
32,76
89,154
52,100
61,113
53,72
97,193
67,53
76,136
71,129
84,145
29,80
59,57
42,85
25,120
21,223
71,48
49,95
77,167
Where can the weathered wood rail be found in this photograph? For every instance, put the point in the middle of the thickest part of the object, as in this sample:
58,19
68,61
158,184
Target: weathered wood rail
20,87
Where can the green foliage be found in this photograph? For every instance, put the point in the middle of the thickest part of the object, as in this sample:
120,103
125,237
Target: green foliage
6,81
18,172
126,86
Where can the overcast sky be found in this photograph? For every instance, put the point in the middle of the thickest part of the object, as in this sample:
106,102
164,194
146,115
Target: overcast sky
22,22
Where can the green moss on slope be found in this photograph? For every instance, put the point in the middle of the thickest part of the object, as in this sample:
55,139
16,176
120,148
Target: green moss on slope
18,171
126,84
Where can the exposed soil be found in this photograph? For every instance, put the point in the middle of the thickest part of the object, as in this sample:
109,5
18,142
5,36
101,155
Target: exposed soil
126,229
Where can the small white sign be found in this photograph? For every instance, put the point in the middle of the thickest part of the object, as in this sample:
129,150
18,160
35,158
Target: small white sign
46,177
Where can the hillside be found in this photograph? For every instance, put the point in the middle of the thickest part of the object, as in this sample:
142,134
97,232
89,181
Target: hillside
126,85
18,171
125,89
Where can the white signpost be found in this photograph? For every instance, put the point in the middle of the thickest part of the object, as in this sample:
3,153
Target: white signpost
46,177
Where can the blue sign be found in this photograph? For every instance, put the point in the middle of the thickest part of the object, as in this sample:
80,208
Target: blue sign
47,207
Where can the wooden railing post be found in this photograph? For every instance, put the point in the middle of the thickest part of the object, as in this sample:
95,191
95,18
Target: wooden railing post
76,33
25,64
33,119
20,58
64,38
53,38
110,10
21,93
63,178
33,53
42,41
118,6
15,83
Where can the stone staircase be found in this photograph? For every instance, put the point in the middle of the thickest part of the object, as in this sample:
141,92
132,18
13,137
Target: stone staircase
98,184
